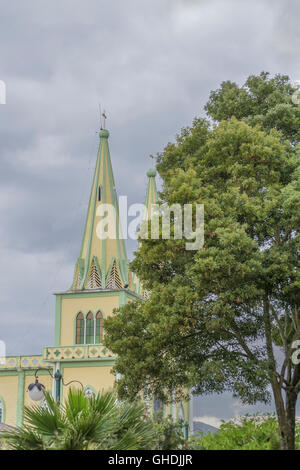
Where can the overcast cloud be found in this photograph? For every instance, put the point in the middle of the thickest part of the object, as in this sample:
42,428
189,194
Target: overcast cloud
152,65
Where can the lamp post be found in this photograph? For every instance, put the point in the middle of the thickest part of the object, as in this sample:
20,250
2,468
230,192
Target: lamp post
186,430
36,389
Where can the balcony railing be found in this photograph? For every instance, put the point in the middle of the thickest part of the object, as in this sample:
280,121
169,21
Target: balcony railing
76,353
22,362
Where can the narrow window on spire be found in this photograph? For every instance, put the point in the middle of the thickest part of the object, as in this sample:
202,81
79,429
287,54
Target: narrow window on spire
99,192
99,327
80,329
90,328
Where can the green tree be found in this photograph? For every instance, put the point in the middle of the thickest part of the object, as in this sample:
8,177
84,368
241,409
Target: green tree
168,433
224,317
96,423
258,432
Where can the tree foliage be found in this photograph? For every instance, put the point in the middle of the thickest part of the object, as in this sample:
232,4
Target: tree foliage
224,317
168,433
96,423
258,432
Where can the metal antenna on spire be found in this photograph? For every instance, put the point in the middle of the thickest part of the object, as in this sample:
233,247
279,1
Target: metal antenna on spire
100,116
104,118
152,158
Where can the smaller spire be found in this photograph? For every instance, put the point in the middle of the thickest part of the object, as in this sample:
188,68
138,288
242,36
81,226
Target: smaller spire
151,194
152,172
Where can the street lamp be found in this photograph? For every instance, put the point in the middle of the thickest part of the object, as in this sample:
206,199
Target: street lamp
36,389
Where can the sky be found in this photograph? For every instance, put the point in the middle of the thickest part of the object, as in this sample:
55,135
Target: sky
151,65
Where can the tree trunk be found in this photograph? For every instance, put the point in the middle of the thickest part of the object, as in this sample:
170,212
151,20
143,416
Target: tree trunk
286,418
291,399
285,411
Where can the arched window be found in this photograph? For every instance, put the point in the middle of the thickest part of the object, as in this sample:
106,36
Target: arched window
99,327
1,411
80,329
99,193
90,328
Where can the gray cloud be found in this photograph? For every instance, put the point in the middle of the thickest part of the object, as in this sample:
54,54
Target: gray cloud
152,66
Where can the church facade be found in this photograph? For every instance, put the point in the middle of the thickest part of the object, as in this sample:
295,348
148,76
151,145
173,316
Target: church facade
102,282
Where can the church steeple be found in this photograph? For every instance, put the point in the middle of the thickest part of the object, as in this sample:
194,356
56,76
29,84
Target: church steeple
151,194
151,198
102,263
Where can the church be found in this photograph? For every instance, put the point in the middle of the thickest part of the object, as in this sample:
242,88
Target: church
102,282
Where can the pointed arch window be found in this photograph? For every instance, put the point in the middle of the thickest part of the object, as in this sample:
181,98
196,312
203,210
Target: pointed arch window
99,328
90,328
80,328
99,193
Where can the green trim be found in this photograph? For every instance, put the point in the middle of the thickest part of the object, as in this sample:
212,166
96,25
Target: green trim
15,372
20,402
100,293
122,299
79,266
33,371
57,331
7,372
122,255
103,238
88,211
2,402
109,270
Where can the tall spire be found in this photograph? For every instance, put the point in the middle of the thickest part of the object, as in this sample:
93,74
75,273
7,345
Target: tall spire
151,198
151,193
102,263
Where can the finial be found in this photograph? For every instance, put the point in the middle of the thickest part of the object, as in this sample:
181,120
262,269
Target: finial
103,132
104,116
152,171
152,158
104,119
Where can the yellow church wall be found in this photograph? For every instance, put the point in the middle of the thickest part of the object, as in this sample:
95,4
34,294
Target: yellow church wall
71,306
9,395
97,376
14,395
